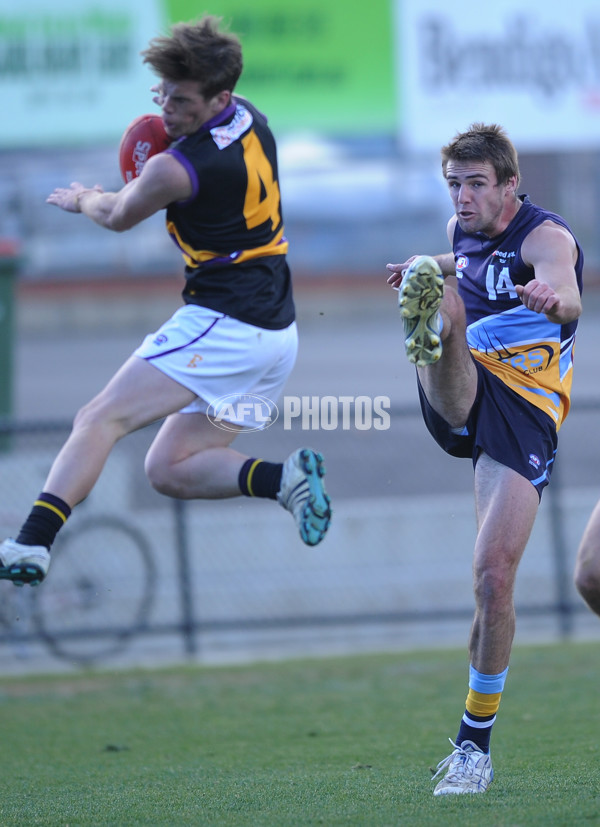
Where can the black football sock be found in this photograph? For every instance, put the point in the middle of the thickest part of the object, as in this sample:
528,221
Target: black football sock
46,518
260,479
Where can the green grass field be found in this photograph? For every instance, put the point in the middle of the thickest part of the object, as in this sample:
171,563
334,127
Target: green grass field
343,741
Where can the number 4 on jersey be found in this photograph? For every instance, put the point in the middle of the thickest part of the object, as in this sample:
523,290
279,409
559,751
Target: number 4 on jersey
262,195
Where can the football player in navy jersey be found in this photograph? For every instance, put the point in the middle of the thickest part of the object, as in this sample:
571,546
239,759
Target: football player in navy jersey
232,342
491,328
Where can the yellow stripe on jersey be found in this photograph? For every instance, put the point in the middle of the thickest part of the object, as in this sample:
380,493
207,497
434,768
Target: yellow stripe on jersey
482,705
193,258
546,391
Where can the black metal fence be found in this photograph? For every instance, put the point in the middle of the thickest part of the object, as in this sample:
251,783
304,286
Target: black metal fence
132,568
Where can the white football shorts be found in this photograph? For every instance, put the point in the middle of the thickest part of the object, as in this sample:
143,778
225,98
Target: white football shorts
225,362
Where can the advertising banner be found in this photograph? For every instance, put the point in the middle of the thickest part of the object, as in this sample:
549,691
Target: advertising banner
70,71
533,68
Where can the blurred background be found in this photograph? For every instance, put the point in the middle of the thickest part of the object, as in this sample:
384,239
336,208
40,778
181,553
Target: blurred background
360,97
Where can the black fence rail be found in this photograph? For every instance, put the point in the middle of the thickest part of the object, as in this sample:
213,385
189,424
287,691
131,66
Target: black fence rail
131,566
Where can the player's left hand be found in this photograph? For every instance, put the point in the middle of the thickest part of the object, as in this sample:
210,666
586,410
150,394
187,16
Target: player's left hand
538,296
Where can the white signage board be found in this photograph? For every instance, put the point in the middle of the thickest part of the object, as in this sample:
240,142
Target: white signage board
71,71
533,67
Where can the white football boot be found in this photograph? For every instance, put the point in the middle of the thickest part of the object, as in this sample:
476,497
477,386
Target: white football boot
469,770
303,494
23,564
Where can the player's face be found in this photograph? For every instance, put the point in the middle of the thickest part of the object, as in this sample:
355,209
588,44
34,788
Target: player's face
482,205
184,108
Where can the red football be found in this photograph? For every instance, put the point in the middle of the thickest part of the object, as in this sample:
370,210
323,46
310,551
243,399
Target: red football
144,137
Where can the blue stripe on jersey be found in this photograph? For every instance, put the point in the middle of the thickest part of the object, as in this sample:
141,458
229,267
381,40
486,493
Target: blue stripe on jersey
501,333
551,397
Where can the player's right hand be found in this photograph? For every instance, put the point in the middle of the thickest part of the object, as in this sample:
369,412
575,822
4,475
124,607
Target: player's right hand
398,271
67,198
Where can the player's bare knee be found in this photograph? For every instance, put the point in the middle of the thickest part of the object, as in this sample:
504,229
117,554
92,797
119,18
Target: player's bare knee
89,416
160,476
83,416
96,417
587,581
493,588
453,310
155,476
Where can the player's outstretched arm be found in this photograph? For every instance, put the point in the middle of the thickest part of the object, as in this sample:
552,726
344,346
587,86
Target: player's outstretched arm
162,181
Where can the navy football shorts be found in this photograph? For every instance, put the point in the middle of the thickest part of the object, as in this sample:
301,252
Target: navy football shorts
502,425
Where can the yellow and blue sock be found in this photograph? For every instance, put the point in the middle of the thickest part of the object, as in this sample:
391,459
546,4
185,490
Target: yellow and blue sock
46,518
483,700
258,478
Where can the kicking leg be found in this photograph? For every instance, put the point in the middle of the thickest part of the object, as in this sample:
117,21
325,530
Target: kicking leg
435,337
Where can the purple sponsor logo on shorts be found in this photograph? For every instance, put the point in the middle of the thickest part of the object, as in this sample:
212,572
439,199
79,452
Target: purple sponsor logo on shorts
534,460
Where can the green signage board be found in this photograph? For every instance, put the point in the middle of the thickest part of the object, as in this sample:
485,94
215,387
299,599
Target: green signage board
319,65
